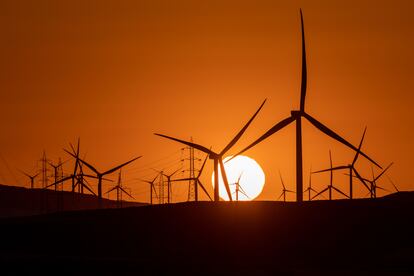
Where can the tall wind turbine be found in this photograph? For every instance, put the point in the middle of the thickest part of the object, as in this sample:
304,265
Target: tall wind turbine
100,174
351,168
152,186
284,190
197,181
296,116
119,190
330,186
31,177
218,157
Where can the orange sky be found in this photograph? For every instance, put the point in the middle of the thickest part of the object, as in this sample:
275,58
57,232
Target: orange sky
113,73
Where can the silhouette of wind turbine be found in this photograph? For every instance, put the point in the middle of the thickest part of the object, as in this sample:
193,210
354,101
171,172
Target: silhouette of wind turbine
284,190
351,168
373,182
152,186
310,189
330,186
218,157
296,115
99,174
239,188
197,180
31,177
119,190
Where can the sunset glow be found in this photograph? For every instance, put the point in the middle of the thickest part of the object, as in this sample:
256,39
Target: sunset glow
252,178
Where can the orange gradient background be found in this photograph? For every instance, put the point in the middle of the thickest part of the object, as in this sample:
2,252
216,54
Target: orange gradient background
114,72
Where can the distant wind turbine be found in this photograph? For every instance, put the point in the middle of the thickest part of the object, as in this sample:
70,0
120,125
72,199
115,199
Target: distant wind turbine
197,182
218,157
239,188
100,174
152,187
119,190
330,186
284,190
31,177
351,168
310,189
296,115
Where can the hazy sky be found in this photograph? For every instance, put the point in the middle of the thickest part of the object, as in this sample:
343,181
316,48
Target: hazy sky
114,72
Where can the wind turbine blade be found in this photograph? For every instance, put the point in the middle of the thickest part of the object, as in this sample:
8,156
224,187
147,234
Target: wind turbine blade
321,192
204,189
289,191
154,190
339,191
174,172
392,182
224,177
280,195
304,69
182,179
281,180
120,166
25,174
196,146
271,131
89,189
359,147
110,190
122,189
332,169
237,137
59,181
244,193
335,136
376,178
361,179
83,162
378,187
202,167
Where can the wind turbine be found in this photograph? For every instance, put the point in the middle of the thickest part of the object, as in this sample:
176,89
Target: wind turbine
197,181
374,180
239,188
351,168
218,157
330,186
31,177
284,190
119,190
310,189
100,174
296,116
152,187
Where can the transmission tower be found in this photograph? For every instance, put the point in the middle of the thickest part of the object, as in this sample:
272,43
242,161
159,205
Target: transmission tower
192,183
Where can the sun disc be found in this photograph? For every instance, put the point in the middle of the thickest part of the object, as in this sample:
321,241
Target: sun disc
252,178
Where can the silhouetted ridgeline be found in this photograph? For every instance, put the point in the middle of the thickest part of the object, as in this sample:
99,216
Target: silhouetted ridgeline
359,237
18,201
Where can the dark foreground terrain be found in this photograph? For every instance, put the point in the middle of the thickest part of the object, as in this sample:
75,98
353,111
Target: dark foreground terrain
359,237
19,201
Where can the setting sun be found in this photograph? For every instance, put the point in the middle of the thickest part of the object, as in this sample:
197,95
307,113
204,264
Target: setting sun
246,178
